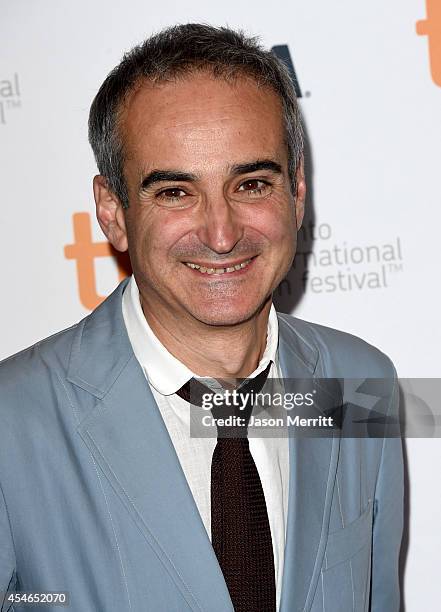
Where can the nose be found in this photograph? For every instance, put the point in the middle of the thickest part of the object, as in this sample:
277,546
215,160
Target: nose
220,228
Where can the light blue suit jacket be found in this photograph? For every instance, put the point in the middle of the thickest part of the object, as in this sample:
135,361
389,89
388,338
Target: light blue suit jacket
93,499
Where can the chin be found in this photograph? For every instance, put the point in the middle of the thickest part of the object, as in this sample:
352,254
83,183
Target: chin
226,316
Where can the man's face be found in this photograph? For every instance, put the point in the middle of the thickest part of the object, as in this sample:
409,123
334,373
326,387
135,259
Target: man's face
211,226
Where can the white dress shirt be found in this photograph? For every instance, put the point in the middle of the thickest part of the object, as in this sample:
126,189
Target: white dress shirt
165,375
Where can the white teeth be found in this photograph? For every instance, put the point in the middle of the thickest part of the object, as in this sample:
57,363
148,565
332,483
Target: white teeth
218,270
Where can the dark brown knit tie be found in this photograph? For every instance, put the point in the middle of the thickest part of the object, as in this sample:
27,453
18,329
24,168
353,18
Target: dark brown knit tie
240,530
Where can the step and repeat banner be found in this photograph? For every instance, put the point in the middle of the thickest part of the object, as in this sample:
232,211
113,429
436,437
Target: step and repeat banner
368,77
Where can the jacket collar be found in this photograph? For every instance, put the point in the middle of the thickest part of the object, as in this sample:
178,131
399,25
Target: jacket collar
101,348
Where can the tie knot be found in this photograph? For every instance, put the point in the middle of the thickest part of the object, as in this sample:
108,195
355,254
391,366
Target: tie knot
231,409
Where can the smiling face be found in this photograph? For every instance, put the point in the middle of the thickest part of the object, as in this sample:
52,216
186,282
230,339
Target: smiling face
212,222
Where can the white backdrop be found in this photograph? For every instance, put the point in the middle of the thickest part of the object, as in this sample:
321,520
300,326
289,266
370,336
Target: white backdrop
371,102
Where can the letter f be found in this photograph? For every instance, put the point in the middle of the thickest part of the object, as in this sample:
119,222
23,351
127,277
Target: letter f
432,28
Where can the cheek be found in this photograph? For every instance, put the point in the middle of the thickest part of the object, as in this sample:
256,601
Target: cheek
153,237
280,231
277,224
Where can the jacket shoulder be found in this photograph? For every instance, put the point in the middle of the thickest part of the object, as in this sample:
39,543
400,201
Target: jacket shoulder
29,367
340,354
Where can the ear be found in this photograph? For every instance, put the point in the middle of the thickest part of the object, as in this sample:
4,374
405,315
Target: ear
300,193
110,214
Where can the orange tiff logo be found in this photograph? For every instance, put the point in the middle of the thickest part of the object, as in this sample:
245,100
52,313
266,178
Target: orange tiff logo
84,251
432,28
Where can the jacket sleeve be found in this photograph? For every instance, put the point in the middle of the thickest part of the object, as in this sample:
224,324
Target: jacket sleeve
7,556
388,517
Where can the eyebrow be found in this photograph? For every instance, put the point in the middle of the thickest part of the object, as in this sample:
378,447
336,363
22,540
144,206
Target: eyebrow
255,166
158,176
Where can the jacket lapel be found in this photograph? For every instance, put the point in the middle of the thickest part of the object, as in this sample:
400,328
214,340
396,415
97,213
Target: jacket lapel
128,439
313,464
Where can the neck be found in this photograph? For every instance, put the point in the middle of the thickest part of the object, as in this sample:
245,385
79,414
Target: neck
222,352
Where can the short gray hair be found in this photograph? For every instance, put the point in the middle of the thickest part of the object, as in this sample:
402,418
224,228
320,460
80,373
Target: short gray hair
179,50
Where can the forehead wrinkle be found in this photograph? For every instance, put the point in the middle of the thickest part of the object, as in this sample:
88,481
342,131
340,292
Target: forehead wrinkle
144,87
200,125
199,116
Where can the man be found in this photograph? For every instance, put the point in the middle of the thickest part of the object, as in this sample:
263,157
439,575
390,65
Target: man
104,493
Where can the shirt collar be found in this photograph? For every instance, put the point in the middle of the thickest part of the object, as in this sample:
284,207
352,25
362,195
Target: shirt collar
165,372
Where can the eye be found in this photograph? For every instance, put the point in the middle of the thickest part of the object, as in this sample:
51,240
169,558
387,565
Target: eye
171,193
254,187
